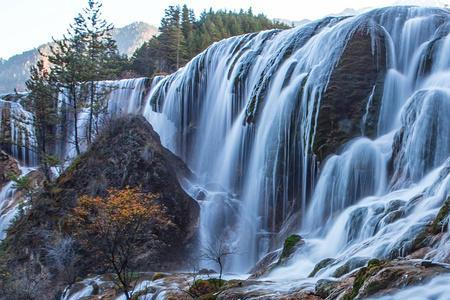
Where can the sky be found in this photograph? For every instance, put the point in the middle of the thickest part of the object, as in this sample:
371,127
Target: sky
26,24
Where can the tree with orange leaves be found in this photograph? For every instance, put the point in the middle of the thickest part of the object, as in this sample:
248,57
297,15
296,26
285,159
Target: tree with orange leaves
114,225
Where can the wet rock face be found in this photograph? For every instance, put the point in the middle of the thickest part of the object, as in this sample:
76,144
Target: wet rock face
8,166
266,264
345,100
129,153
380,277
321,265
278,257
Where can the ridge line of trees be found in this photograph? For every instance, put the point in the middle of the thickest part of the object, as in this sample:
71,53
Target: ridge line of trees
183,36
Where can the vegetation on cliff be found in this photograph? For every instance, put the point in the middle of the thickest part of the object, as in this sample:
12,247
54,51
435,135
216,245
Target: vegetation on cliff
183,36
125,184
110,227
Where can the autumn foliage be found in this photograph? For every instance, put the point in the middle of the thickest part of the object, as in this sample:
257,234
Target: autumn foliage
113,226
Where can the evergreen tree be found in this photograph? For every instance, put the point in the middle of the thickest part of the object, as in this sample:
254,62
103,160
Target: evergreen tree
43,103
183,36
147,60
187,26
84,56
68,62
101,55
172,42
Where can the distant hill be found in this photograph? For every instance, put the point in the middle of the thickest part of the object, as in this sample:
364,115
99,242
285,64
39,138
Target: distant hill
292,23
132,36
15,71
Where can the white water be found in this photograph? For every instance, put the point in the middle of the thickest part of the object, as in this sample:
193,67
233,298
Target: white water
436,289
353,204
9,204
122,97
258,171
21,139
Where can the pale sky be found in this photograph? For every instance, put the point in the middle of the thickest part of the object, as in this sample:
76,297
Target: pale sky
25,24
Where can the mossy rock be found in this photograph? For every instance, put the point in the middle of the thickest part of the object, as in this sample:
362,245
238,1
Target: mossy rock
206,288
290,245
373,266
441,219
325,287
320,265
348,91
438,225
350,265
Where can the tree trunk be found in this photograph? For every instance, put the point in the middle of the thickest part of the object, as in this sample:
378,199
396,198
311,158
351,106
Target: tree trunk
75,120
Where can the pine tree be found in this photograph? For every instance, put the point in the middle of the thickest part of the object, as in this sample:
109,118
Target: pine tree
172,39
187,26
43,103
68,61
101,53
85,55
183,36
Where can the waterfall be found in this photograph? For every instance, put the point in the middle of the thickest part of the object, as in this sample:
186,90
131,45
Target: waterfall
249,116
121,97
337,130
17,135
10,203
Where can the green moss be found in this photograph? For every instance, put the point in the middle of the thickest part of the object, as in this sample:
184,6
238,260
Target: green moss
75,163
206,289
439,221
373,266
289,246
322,264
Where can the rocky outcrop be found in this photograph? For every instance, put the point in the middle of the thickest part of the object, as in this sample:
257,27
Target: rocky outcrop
384,277
129,154
278,257
8,166
349,90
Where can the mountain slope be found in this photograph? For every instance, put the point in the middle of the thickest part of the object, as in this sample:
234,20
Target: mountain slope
15,71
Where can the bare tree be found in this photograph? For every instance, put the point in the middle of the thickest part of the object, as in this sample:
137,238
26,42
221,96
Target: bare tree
217,252
25,283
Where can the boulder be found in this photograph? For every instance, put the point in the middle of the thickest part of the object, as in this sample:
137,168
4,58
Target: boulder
265,264
322,264
8,166
324,287
380,278
350,265
128,153
291,244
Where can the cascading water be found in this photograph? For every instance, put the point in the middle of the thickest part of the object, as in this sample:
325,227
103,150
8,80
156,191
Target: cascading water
337,130
9,203
17,135
121,97
245,115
